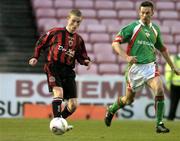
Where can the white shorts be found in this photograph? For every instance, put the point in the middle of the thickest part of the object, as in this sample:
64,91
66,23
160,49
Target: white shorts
139,74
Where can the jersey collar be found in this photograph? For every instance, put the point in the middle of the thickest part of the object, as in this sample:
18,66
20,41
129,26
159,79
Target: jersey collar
150,25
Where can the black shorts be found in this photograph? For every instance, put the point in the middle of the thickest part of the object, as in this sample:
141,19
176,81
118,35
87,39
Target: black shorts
61,75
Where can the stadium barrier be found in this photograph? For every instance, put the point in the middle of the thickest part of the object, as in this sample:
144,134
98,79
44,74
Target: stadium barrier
95,112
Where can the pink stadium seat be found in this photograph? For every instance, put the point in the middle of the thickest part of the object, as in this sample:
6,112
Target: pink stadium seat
172,48
156,21
165,5
88,13
102,48
62,21
82,28
168,14
114,29
113,22
124,22
178,5
127,14
41,22
109,69
50,25
99,37
64,4
171,23
83,4
45,13
40,4
124,5
177,39
175,30
93,28
165,29
104,57
167,38
89,21
106,14
85,36
63,12
104,4
83,69
89,48
123,67
103,19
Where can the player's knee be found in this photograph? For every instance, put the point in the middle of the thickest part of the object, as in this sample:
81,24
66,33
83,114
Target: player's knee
58,92
129,101
159,92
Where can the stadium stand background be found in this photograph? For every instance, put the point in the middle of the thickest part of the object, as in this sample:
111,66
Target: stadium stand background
23,21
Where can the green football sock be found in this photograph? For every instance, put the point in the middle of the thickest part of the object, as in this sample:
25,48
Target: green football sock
159,111
116,106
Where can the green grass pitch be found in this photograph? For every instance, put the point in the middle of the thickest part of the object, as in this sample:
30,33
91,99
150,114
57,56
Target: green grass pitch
86,130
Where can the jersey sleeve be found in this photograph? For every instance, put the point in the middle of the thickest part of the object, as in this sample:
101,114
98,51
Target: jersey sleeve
159,41
41,44
124,35
81,53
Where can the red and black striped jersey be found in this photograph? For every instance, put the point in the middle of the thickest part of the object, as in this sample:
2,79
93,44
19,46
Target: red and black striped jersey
61,46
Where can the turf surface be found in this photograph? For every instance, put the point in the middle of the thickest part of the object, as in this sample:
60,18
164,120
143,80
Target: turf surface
87,130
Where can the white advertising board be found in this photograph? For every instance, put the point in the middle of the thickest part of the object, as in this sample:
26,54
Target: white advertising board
18,89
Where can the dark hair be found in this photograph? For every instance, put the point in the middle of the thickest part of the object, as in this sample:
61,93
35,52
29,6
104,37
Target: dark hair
147,4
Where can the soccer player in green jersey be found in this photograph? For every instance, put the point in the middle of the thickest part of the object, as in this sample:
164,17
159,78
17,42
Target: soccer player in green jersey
143,38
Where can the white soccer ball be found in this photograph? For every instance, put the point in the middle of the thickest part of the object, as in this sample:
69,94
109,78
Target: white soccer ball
58,126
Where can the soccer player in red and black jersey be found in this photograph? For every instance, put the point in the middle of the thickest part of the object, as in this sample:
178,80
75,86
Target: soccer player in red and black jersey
62,47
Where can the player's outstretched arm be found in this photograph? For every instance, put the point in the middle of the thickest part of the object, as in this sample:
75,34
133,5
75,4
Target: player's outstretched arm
166,56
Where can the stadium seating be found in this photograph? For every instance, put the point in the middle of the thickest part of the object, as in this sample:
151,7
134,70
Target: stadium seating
103,19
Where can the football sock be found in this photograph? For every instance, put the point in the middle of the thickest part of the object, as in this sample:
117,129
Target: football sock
159,109
66,112
116,106
56,106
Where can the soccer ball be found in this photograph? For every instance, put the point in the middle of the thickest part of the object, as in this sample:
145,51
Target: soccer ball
58,126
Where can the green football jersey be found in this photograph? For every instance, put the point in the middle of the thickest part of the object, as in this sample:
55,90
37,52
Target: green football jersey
142,41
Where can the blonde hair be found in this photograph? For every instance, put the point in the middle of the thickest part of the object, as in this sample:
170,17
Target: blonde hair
75,12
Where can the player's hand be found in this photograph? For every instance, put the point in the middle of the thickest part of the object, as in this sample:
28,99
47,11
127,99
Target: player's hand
131,59
33,61
176,71
88,62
